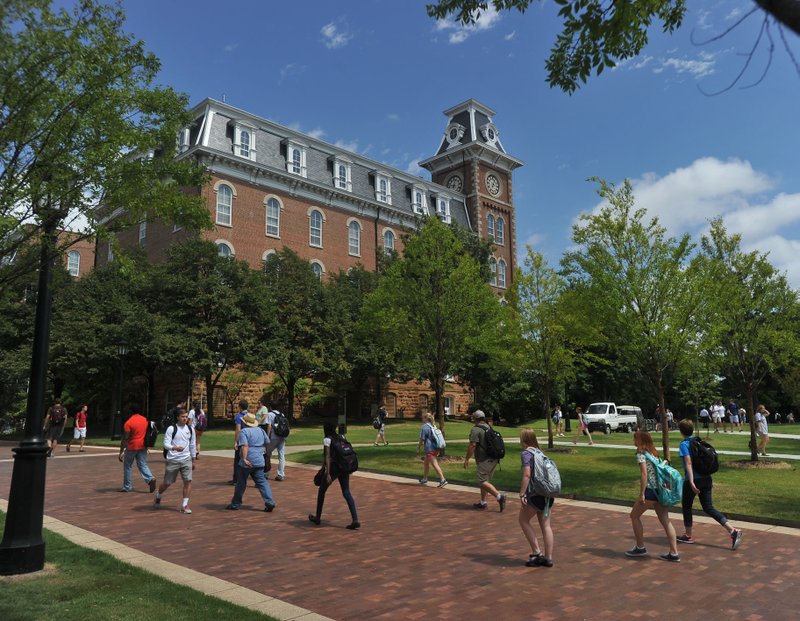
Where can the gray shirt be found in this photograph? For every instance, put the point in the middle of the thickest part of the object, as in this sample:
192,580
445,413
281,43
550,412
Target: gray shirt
254,439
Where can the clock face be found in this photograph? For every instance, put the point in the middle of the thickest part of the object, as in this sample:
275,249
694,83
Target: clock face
493,185
454,183
453,134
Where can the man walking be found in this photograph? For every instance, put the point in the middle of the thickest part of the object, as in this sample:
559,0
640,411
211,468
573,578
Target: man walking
485,466
79,432
733,413
132,448
380,425
181,447
54,423
236,453
252,444
278,429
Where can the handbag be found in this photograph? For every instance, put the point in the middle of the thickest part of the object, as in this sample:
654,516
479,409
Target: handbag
319,478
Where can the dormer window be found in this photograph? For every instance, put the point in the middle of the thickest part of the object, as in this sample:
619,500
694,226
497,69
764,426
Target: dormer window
453,134
342,174
295,158
383,187
244,140
419,202
490,134
443,208
183,140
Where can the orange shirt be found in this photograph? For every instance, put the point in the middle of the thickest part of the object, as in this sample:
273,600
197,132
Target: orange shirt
136,427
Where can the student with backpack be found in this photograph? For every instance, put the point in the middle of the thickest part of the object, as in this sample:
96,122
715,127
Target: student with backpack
483,443
699,463
432,439
199,422
380,425
180,451
535,503
647,456
279,430
339,461
54,423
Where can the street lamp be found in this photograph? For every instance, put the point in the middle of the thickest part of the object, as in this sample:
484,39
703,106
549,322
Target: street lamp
116,430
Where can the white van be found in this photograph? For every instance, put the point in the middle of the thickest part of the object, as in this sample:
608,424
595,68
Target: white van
607,417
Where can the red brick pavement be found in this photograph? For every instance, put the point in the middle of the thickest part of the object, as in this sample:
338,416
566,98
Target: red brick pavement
423,552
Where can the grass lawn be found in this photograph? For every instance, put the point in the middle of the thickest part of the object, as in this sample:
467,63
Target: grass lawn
86,585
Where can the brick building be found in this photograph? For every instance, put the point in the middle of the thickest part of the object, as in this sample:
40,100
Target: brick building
271,186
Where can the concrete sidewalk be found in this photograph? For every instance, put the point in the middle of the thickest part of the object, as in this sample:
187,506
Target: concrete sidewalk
421,552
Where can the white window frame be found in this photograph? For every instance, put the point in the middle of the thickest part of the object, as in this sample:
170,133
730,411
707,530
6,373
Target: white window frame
74,263
490,227
183,140
387,249
241,147
501,274
354,242
500,231
299,167
277,225
419,200
142,232
380,195
220,243
443,207
340,183
218,190
321,213
493,271
316,263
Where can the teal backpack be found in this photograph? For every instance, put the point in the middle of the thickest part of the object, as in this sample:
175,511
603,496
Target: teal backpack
670,481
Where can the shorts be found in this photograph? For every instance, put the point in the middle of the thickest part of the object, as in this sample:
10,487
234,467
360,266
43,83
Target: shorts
537,502
734,419
78,433
650,494
716,418
485,470
174,466
54,431
433,453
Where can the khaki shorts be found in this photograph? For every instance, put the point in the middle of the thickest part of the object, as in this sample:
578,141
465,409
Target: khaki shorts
486,469
174,466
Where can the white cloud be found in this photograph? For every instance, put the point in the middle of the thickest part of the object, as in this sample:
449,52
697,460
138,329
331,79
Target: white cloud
335,35
348,146
697,68
414,168
230,47
393,117
459,33
317,133
702,65
510,36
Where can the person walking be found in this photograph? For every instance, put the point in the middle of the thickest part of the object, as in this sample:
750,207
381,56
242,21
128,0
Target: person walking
54,422
380,420
238,429
262,418
583,428
695,484
132,448
277,442
534,506
648,499
332,473
427,439
252,444
79,430
181,448
733,414
558,419
485,466
199,423
762,429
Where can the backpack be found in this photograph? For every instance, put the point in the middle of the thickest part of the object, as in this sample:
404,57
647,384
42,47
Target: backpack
174,431
151,434
201,421
669,480
343,457
57,415
437,437
495,447
704,457
376,423
545,479
280,425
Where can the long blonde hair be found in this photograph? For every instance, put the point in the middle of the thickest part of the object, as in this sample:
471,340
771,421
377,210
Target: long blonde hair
528,438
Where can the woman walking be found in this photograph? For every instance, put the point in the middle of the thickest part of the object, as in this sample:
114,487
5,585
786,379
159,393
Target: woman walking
762,429
534,506
582,426
332,473
648,499
427,439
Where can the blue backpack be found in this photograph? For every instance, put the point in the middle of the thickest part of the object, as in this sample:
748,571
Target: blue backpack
669,480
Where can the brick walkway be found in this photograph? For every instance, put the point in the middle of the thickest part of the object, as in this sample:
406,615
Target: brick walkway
424,552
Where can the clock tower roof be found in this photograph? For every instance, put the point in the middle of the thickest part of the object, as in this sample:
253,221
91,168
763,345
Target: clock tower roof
470,133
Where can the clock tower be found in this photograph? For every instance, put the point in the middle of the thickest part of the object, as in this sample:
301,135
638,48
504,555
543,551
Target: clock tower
471,161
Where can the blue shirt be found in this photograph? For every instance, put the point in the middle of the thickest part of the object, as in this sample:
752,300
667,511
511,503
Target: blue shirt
426,434
254,439
684,450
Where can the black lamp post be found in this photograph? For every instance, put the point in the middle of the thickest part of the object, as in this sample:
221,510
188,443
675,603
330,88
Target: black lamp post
116,431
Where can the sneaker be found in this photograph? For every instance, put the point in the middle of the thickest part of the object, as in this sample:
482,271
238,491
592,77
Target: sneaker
157,501
314,519
501,500
736,538
541,561
67,448
685,539
231,508
423,481
186,509
669,556
279,478
531,557
152,484
231,482
353,526
269,508
443,482
480,505
636,551
374,444
122,489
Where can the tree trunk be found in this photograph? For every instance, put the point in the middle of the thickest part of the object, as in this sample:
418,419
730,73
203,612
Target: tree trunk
438,399
210,398
548,417
290,384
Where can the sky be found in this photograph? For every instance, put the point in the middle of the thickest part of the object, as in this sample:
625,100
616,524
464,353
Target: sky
374,76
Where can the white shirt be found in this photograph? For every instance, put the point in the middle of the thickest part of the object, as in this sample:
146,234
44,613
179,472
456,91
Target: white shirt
180,435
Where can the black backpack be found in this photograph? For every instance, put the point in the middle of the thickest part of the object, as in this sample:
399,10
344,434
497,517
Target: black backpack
343,458
376,423
151,435
495,447
174,431
280,425
704,457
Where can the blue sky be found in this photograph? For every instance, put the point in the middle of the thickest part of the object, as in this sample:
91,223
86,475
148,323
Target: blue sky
375,75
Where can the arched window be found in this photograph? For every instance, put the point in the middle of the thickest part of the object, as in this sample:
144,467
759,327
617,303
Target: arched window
501,233
342,176
244,143
492,271
388,241
315,228
297,161
354,238
224,249
382,190
490,226
273,217
501,274
224,205
317,268
74,263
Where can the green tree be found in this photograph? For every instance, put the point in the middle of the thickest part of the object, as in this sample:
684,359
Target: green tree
82,125
640,283
434,306
756,315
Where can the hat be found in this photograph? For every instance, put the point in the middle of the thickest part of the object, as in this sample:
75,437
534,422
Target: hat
250,420
478,414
